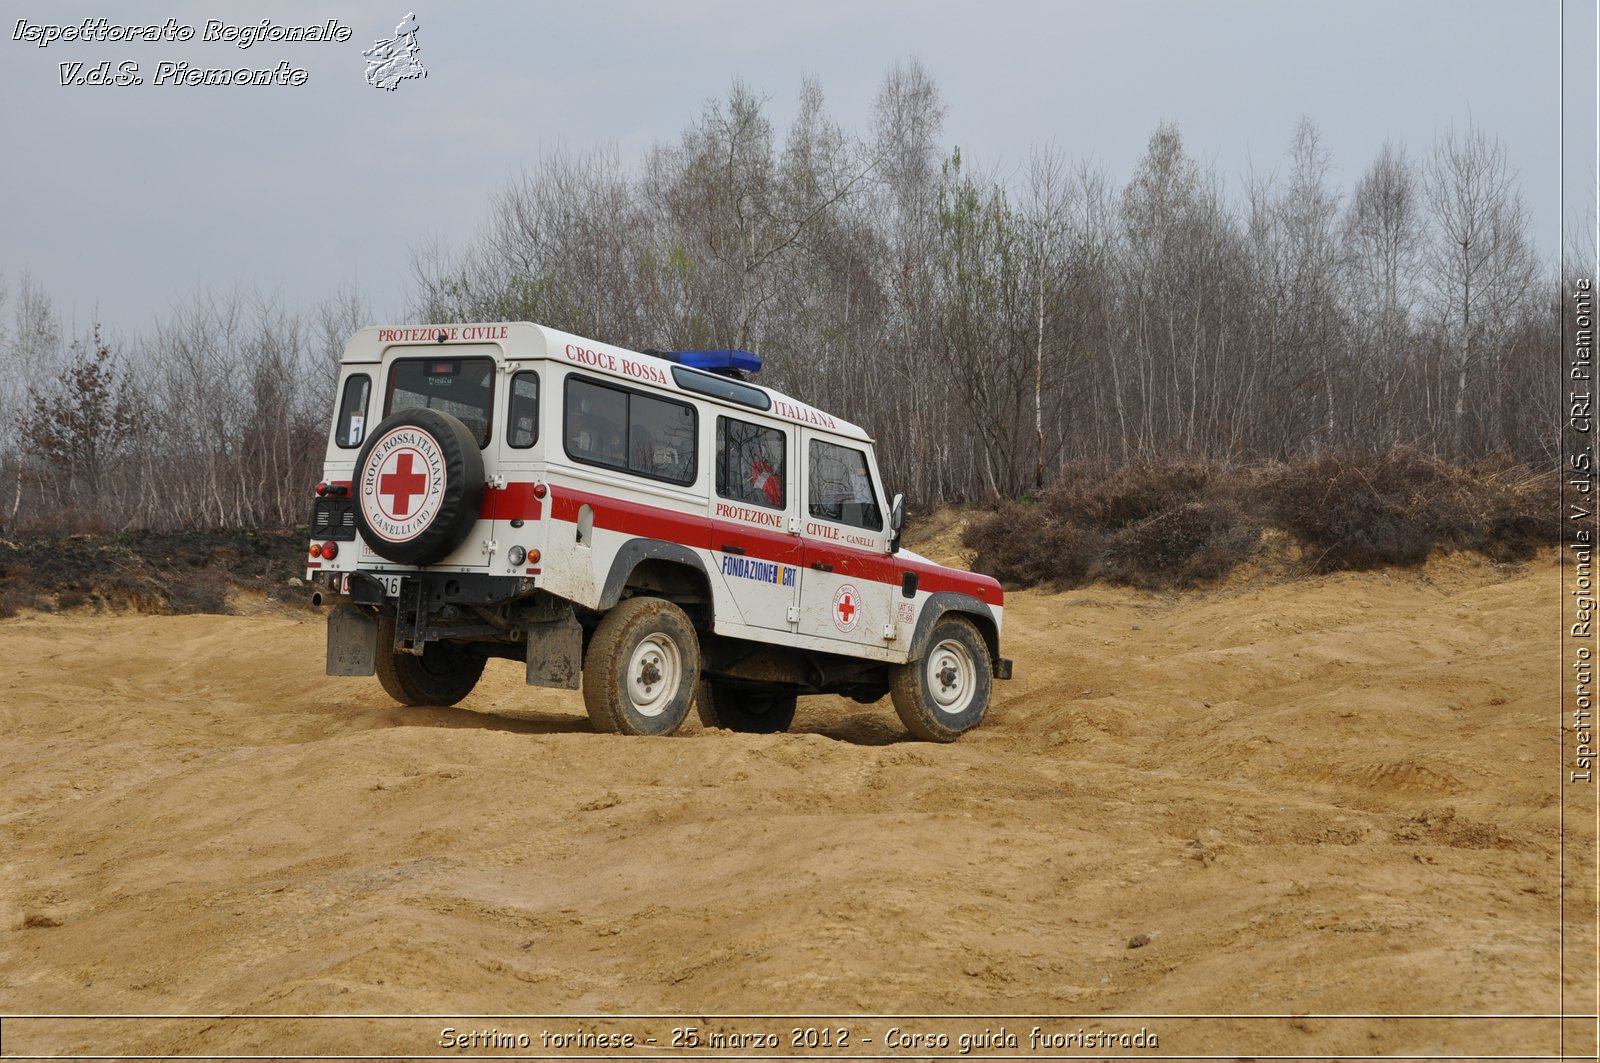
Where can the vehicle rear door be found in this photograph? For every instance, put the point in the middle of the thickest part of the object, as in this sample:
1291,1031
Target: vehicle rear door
517,465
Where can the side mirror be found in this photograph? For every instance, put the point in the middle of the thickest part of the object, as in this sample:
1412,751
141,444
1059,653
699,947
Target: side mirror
897,518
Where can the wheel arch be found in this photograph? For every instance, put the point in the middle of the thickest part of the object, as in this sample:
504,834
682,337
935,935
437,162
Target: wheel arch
670,570
953,603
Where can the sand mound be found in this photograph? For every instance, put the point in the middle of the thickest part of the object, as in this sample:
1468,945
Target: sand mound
1334,795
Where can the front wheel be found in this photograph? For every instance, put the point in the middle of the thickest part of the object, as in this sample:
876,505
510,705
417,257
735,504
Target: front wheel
641,668
749,711
444,674
946,693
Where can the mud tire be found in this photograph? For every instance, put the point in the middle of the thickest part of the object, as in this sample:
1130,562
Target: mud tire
444,674
640,672
744,710
946,693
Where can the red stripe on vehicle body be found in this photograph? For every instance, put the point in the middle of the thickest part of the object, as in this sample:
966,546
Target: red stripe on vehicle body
514,501
631,518
702,532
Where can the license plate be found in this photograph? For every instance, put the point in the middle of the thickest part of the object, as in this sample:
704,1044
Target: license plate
391,584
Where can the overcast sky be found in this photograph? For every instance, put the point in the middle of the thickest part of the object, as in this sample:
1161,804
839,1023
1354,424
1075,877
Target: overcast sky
122,202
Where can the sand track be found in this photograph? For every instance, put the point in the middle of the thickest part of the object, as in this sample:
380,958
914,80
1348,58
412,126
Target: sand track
1335,795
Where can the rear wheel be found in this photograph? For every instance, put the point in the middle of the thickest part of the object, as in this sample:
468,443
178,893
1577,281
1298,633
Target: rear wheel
946,693
444,674
742,709
640,671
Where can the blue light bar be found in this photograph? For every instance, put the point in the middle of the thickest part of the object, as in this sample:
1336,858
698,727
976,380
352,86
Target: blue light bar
717,361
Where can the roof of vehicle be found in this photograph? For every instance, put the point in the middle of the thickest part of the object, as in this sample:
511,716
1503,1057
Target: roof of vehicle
526,341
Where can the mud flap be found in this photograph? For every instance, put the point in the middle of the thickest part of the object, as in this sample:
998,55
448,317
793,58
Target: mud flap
352,640
555,652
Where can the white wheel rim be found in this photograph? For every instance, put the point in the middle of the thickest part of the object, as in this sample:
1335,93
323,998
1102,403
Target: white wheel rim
951,676
653,671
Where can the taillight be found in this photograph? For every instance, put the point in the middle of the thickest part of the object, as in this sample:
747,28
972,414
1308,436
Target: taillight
316,551
540,490
330,550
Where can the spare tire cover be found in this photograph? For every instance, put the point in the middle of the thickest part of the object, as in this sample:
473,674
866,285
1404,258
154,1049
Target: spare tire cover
419,486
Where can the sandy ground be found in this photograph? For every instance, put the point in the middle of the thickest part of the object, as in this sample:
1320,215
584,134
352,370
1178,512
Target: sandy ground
1323,797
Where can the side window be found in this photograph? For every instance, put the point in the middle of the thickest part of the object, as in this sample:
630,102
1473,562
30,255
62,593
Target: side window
596,424
841,487
352,424
752,463
461,387
628,430
522,431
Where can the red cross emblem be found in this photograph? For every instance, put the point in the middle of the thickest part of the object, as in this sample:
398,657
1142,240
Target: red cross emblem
403,484
846,613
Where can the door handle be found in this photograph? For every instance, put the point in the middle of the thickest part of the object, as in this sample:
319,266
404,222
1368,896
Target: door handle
821,566
728,549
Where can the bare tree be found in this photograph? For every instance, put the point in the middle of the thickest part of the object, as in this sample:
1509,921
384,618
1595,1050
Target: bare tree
1048,213
30,355
1309,211
908,115
985,329
1481,265
79,425
1383,240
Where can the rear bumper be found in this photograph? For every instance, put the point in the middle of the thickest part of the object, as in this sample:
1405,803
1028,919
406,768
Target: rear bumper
434,589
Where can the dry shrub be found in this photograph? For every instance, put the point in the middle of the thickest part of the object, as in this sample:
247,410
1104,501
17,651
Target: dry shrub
1026,544
1096,519
1107,497
1194,544
1364,511
1189,523
1358,513
1521,514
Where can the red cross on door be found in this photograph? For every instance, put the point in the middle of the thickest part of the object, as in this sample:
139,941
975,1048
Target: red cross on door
846,608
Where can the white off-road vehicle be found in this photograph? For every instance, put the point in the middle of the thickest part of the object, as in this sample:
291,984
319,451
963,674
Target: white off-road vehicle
653,527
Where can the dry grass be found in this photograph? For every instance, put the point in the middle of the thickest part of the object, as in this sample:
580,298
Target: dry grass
147,572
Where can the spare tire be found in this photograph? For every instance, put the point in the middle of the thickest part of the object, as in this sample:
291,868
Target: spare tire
419,486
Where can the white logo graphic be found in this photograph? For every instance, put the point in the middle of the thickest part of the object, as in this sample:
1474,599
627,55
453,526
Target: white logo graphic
846,608
402,485
392,61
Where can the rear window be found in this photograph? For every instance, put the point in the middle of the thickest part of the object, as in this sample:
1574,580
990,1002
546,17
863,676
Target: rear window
523,431
352,425
461,387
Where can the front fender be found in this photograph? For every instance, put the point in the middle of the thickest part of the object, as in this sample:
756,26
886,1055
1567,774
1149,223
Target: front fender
942,603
